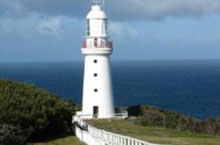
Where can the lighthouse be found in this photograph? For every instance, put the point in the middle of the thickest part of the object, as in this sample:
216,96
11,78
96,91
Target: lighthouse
96,49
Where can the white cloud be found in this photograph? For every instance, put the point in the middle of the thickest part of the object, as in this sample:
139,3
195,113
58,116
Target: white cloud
13,9
51,26
158,9
122,30
119,10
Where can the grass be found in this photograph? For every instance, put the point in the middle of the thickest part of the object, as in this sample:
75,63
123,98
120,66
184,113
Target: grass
70,140
131,128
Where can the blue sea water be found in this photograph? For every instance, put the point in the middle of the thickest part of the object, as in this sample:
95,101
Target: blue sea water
189,87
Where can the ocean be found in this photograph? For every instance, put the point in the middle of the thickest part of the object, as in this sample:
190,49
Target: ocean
189,87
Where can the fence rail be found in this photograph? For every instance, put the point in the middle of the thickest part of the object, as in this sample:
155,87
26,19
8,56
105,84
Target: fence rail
94,136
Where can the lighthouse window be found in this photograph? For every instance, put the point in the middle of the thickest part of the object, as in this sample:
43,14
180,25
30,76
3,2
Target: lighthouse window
106,26
95,61
95,74
95,90
88,28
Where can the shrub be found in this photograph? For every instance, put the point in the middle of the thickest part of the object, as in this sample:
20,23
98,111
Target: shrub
218,121
10,135
153,116
134,110
35,111
211,126
218,125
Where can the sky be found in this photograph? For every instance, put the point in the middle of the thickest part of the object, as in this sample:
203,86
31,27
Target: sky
52,30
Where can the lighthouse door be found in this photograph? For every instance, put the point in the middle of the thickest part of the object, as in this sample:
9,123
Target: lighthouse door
96,42
95,111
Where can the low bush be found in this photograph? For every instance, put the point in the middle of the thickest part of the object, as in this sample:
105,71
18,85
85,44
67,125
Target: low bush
10,135
153,116
35,111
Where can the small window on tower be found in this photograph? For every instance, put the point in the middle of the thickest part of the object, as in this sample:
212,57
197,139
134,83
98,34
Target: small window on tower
88,28
95,90
95,74
106,26
95,61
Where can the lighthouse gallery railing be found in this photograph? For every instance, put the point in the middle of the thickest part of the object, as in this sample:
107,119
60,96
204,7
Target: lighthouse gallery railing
104,44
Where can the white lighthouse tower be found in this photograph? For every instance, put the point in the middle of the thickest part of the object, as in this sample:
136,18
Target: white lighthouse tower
96,48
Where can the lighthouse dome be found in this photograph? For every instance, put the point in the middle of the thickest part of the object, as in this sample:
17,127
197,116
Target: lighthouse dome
96,13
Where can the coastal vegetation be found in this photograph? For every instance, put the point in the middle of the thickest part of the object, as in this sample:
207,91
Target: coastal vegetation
162,126
29,114
133,127
156,117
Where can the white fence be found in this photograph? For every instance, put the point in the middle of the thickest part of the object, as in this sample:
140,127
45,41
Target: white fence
94,136
80,115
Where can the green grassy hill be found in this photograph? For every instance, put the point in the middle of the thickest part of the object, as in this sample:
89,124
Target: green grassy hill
131,127
70,140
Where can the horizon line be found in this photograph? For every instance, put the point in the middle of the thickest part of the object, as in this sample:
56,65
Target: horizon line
70,61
